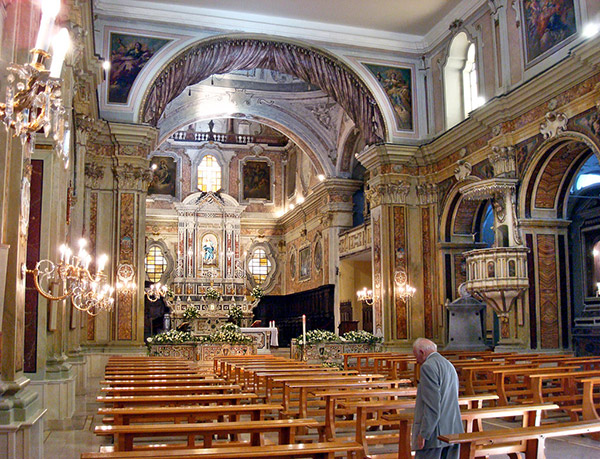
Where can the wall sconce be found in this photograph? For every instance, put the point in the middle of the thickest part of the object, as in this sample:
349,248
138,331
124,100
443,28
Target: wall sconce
403,289
156,291
597,288
89,293
34,102
365,296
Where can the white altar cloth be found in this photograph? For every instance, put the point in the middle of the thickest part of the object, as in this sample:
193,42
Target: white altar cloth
271,332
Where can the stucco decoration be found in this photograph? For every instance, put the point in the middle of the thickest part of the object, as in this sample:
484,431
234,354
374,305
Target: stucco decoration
462,170
555,124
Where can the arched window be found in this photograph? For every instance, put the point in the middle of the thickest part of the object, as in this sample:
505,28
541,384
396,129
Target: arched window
461,89
259,266
155,263
209,174
470,89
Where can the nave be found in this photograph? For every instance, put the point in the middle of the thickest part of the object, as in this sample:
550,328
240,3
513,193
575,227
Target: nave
321,407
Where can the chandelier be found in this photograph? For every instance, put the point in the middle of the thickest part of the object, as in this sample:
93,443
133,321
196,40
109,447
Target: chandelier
365,296
403,289
71,277
33,95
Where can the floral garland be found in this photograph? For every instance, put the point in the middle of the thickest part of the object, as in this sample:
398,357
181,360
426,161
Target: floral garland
227,334
192,312
236,315
170,337
324,336
257,293
361,336
212,294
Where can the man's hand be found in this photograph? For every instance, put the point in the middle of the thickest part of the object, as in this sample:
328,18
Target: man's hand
420,442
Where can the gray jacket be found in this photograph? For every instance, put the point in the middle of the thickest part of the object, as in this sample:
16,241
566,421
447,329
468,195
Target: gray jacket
436,409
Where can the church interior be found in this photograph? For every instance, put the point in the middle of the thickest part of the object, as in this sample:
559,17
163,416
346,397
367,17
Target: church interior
407,169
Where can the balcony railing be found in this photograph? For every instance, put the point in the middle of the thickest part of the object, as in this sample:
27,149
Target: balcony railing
355,240
236,139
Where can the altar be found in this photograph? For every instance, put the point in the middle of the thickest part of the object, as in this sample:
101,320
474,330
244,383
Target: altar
265,338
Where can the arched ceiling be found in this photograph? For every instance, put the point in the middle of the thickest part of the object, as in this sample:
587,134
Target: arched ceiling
303,113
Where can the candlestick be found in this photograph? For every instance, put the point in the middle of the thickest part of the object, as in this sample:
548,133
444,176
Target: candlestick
304,328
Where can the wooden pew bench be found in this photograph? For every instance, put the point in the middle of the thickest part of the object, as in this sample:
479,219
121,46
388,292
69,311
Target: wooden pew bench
324,450
183,381
473,421
170,390
527,440
125,435
334,397
190,414
125,401
130,377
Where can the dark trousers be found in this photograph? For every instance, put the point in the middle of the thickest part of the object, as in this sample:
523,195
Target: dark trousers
447,452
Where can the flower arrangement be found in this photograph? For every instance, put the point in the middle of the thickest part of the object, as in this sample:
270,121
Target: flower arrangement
236,315
361,336
337,365
170,337
227,334
319,336
257,293
191,312
212,294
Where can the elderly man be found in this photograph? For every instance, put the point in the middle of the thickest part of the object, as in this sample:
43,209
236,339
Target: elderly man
436,410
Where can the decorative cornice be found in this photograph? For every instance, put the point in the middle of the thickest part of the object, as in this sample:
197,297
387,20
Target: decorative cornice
488,189
140,137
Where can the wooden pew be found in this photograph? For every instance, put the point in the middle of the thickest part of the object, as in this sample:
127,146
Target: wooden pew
332,397
170,390
146,414
125,435
252,382
527,440
159,376
162,382
362,360
175,400
322,450
473,421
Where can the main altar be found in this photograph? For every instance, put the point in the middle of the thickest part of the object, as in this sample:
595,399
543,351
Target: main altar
211,274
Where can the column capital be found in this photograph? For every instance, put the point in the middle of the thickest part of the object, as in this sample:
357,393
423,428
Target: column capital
386,158
134,139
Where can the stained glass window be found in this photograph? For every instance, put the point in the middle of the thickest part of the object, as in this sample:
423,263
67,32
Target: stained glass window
155,263
259,266
209,174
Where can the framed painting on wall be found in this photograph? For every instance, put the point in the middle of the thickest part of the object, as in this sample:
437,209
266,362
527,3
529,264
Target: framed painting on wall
304,263
164,176
397,84
128,55
209,249
546,26
256,179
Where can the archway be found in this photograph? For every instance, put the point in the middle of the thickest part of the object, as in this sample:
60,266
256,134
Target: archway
547,210
223,55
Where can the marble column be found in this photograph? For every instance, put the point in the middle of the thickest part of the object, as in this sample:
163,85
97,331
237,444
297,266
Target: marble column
21,414
401,231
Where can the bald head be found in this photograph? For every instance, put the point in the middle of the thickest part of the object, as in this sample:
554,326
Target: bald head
422,348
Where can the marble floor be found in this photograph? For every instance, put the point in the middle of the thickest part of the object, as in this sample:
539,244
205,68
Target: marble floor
79,437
